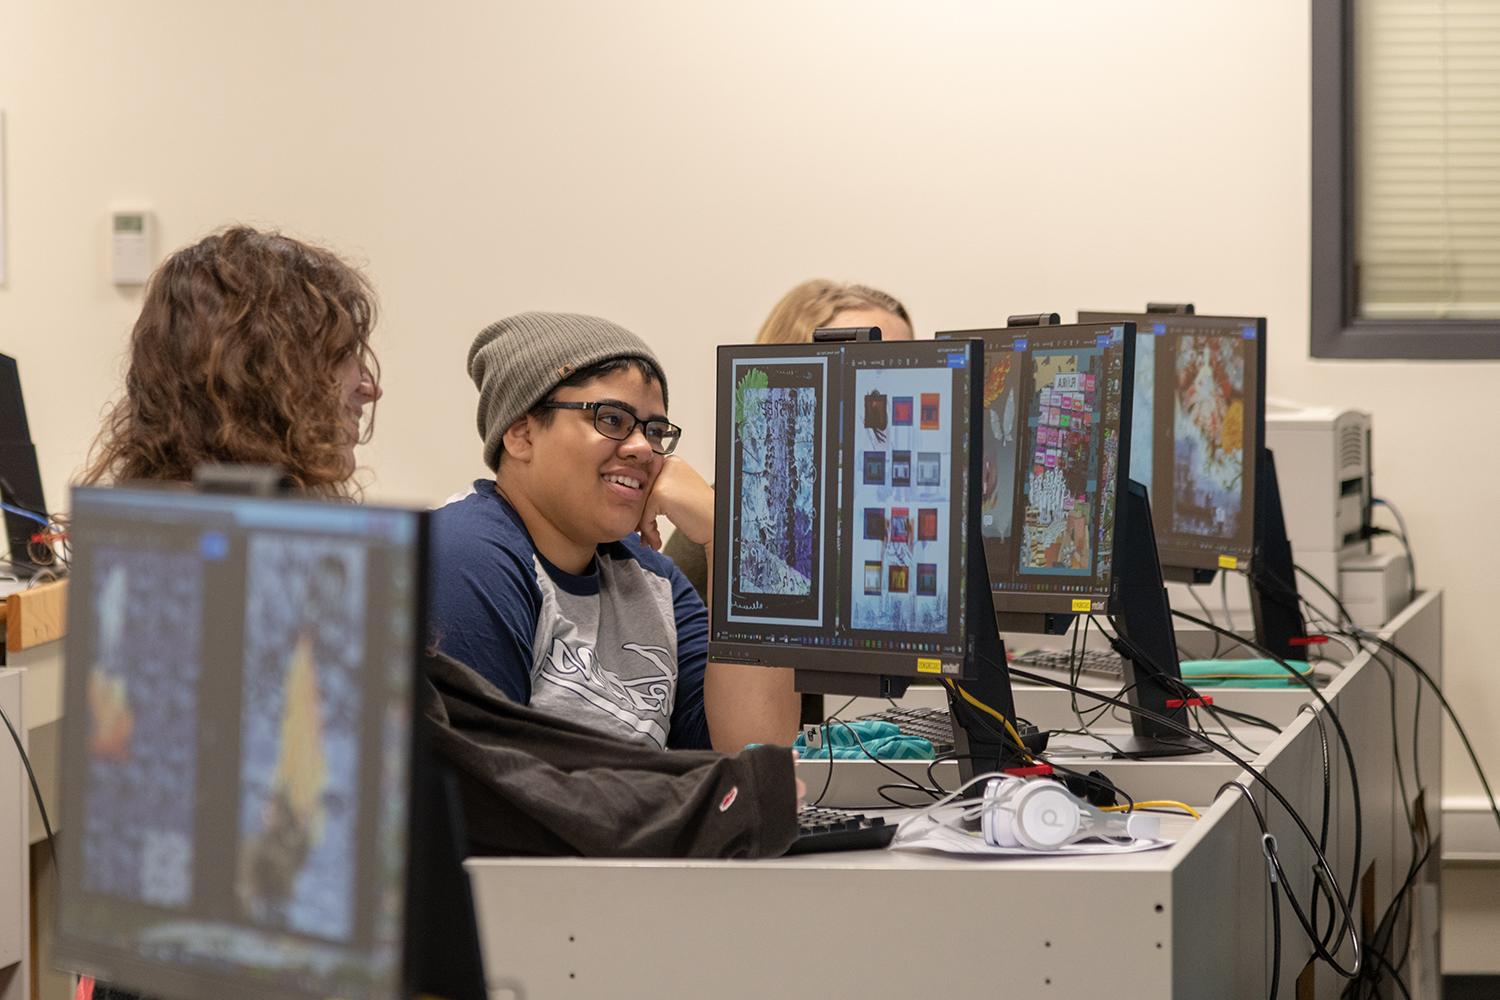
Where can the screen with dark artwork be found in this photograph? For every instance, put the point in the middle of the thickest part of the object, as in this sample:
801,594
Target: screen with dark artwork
777,501
844,495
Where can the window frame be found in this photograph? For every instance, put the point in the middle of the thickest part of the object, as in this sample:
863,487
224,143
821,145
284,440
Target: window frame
1337,332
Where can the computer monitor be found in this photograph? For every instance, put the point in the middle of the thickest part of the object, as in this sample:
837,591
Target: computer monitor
1200,438
1199,418
1061,522
20,479
844,542
1056,418
240,786
844,506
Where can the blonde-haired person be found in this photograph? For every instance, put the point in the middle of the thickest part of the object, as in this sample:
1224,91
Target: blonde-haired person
810,306
820,303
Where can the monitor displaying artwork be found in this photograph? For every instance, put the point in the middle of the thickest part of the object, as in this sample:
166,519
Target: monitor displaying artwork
1055,417
844,504
1199,418
240,710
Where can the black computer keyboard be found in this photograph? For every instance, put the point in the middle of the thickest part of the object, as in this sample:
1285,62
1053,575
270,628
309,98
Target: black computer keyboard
839,830
1103,662
932,724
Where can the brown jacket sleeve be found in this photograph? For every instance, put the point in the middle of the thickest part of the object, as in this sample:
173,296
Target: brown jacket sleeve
691,559
538,784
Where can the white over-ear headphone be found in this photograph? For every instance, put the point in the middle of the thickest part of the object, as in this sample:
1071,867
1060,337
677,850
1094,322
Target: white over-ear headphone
1042,815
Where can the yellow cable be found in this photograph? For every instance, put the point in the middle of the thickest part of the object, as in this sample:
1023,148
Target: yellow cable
1157,804
1009,729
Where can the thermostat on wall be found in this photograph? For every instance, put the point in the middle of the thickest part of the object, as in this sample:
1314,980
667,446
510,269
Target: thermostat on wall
132,247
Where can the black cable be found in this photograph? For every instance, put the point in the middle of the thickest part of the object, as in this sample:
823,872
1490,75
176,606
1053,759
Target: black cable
1287,587
1245,717
1322,870
1338,728
1416,744
906,782
828,778
1075,667
1275,928
1348,754
1224,596
1327,810
904,785
972,718
936,760
1405,539
1272,855
1126,647
1362,635
1193,593
36,790
1390,675
1393,910
1225,733
1273,879
1101,783
1395,975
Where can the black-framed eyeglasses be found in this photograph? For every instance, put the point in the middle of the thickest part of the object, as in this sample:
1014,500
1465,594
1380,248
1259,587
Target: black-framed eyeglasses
616,422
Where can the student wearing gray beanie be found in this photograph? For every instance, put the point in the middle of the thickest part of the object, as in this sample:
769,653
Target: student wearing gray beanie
547,579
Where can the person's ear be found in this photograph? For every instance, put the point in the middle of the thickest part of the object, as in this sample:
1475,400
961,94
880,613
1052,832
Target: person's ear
517,439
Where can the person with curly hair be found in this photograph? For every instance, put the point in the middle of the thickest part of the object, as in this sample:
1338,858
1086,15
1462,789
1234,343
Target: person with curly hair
254,347
251,347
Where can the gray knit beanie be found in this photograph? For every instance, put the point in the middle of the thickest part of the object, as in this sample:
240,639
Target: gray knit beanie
517,361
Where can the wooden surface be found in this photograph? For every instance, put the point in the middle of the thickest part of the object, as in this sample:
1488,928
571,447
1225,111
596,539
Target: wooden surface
36,616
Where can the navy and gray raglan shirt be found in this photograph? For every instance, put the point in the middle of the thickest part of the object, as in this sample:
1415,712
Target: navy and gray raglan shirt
621,647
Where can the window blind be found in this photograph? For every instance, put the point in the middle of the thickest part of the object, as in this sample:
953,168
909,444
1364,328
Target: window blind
1426,149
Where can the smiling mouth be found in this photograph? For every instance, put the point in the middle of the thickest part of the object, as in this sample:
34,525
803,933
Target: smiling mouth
629,482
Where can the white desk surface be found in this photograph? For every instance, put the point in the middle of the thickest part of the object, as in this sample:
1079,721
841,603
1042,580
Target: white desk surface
1188,921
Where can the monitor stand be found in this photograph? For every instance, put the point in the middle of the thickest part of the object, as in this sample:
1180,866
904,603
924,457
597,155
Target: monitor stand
977,740
1274,602
18,465
1146,620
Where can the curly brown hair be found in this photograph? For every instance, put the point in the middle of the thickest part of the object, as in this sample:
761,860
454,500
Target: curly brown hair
235,358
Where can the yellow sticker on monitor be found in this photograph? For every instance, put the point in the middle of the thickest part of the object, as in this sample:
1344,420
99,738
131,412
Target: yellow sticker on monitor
1228,562
925,666
1082,604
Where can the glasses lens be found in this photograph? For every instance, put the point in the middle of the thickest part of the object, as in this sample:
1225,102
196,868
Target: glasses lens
613,422
662,435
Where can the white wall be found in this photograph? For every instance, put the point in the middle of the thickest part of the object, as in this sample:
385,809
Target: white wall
676,166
